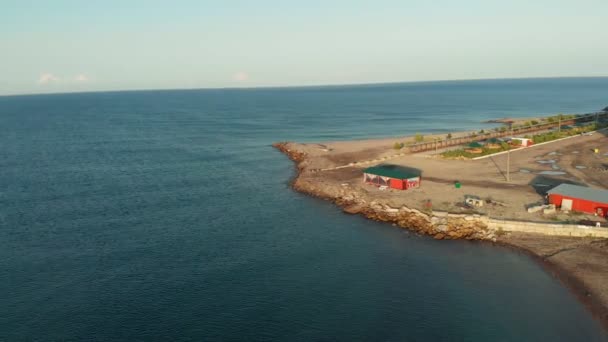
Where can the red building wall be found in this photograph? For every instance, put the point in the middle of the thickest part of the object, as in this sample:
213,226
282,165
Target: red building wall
578,204
396,184
412,183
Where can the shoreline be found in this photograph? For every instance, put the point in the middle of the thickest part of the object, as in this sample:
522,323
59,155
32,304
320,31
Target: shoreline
573,282
575,285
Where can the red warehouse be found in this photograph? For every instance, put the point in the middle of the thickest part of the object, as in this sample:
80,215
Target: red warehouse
396,177
580,198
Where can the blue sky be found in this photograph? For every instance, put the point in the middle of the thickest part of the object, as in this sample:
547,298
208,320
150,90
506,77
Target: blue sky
60,45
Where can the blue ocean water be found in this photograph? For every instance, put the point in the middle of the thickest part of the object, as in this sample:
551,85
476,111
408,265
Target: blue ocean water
166,215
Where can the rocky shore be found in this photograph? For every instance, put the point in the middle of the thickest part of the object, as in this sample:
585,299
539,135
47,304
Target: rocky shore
440,225
579,263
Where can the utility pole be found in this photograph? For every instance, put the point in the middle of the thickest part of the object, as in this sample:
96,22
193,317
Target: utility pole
509,154
559,123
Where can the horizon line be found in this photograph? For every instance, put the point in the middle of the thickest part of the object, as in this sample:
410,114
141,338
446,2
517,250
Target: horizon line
327,85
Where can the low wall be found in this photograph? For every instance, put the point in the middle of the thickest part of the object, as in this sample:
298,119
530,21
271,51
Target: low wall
548,228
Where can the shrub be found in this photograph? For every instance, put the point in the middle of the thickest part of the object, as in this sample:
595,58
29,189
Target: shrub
398,146
534,122
419,137
449,136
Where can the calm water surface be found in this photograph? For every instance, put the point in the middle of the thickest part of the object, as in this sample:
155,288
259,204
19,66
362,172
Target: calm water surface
166,215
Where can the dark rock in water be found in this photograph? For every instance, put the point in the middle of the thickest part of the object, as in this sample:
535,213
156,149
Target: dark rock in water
605,109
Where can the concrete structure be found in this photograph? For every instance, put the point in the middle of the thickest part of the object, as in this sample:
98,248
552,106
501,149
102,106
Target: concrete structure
393,176
579,198
525,142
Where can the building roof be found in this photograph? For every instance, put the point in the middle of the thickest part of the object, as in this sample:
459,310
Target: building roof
581,192
393,171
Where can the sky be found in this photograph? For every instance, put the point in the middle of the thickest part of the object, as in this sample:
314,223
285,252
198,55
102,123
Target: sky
65,46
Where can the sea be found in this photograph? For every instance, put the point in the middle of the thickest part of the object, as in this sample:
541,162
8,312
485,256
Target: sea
167,216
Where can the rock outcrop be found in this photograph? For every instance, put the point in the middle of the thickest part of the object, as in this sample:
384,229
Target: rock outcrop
440,225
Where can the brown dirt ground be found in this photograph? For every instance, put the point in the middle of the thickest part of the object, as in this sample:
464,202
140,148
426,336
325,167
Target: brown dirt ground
485,178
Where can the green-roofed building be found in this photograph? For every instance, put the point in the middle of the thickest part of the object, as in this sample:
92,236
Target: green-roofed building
393,176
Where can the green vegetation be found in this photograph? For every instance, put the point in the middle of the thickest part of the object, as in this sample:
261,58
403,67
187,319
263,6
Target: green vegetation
462,153
398,146
449,136
559,117
419,138
537,138
549,136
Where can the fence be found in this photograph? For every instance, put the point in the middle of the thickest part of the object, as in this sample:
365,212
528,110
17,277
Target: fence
432,145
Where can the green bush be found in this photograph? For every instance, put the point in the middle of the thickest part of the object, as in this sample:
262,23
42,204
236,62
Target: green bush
419,137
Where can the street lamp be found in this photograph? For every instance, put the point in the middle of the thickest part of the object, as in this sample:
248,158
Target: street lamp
510,123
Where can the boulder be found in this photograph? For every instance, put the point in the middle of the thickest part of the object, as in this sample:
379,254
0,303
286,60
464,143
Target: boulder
442,228
353,209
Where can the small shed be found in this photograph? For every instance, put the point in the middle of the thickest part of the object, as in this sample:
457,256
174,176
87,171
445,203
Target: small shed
580,198
525,142
393,176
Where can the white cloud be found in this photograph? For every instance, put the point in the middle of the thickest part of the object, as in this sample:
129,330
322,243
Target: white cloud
47,78
81,78
241,76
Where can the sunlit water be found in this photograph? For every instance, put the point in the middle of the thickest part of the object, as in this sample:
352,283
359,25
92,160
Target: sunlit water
166,215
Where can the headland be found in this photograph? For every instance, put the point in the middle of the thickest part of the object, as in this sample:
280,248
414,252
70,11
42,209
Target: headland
506,185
